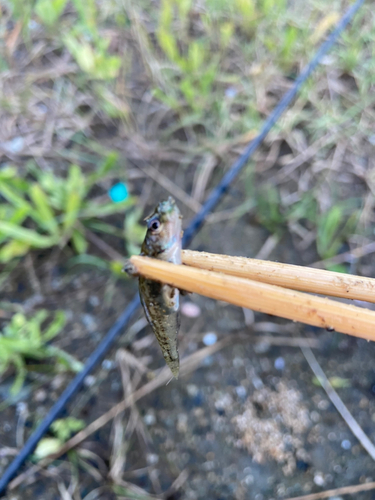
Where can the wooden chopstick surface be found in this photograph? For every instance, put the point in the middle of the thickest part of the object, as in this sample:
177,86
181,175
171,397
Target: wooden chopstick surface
263,297
305,279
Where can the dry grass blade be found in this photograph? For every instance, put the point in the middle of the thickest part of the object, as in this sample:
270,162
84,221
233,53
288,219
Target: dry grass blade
348,256
288,341
262,297
345,490
202,176
308,153
177,483
118,453
172,188
305,279
65,495
103,246
268,246
188,364
336,400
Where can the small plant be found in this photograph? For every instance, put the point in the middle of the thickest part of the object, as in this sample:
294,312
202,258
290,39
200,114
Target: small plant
333,227
81,37
268,209
194,64
51,211
24,338
62,429
92,58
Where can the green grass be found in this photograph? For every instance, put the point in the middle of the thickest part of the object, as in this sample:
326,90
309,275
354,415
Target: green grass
220,68
25,338
62,429
45,210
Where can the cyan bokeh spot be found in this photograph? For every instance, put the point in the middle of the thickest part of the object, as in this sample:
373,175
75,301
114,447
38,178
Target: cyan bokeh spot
119,192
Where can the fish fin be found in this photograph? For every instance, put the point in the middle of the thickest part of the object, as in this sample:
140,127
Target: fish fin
130,269
175,371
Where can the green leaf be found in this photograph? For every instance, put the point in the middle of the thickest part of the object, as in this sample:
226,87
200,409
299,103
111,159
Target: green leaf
13,249
169,100
81,51
55,327
328,226
336,382
20,375
337,268
196,55
64,358
63,428
94,209
103,227
339,382
13,197
207,79
133,231
88,14
94,60
166,14
268,208
49,10
41,202
226,33
88,260
188,88
184,7
106,166
168,44
55,187
19,215
16,217
28,236
79,241
106,66
289,42
246,8
74,192
8,172
47,446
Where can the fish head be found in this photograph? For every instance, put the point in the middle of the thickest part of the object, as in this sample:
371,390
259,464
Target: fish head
163,230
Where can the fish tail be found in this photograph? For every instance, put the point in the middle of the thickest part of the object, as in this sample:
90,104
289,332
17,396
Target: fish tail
175,368
173,363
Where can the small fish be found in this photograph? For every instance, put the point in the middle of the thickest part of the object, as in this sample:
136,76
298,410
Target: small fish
161,302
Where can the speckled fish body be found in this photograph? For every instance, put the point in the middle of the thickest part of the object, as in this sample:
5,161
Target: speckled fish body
161,302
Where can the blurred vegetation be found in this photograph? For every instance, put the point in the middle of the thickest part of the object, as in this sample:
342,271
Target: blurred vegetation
57,208
62,428
220,67
25,338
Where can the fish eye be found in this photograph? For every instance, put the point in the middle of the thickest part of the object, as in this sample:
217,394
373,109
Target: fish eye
155,225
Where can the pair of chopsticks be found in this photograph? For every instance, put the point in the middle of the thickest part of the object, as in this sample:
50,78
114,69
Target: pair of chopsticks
271,288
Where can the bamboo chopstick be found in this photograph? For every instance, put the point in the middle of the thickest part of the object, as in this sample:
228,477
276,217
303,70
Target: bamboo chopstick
270,299
305,279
